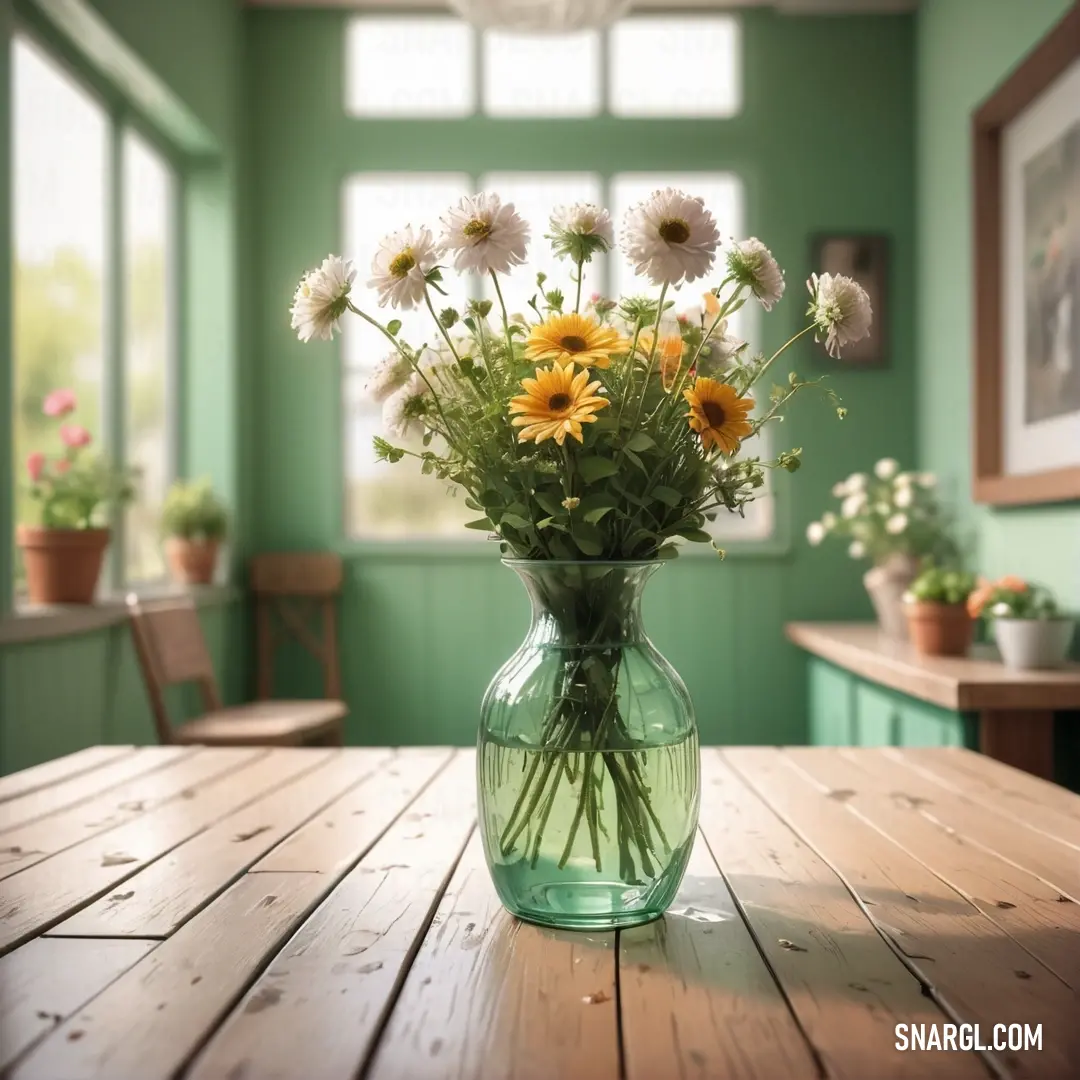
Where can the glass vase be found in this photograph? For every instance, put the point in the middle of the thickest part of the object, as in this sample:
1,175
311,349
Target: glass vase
587,769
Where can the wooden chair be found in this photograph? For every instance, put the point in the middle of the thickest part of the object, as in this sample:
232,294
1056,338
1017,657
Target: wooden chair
296,598
171,649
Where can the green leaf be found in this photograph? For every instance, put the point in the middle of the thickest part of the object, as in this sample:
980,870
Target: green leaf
543,523
596,468
550,502
393,326
480,523
515,521
668,496
640,441
593,516
588,539
697,536
668,551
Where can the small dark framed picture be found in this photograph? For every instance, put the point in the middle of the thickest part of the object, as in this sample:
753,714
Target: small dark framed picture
865,258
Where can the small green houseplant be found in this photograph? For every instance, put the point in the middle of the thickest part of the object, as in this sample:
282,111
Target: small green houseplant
194,521
1030,630
936,610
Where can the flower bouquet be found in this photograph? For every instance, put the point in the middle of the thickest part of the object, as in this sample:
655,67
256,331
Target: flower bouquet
592,438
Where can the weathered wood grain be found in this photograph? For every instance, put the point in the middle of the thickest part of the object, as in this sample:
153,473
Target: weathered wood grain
38,840
1019,902
1037,815
972,965
155,901
697,1000
845,985
110,774
492,998
59,769
45,981
33,900
336,837
339,975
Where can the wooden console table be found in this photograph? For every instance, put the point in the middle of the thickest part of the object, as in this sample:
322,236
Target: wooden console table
1015,709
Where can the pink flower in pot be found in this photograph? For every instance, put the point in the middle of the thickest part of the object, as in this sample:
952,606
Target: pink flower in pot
59,403
35,465
74,436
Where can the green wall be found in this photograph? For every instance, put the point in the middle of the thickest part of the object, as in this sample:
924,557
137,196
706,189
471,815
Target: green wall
62,693
825,142
964,49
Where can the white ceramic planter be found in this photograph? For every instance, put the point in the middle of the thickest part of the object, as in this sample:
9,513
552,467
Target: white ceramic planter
1028,644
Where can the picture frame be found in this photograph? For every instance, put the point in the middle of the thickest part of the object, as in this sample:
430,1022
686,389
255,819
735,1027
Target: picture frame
1026,356
864,257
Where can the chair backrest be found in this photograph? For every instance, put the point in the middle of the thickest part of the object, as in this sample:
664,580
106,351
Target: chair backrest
290,587
171,649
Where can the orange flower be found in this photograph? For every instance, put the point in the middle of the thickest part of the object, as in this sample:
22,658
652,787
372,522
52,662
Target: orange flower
1012,583
718,414
979,596
555,404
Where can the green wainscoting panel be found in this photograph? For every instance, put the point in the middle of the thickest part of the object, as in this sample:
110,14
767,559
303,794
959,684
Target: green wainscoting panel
923,724
60,694
831,705
876,716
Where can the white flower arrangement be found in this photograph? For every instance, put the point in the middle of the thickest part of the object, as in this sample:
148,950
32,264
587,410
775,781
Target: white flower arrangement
885,513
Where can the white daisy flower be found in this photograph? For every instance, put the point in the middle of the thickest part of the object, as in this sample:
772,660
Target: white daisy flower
815,533
886,468
580,231
387,376
853,505
321,298
856,482
927,480
404,408
670,238
752,264
839,489
903,479
399,266
828,519
904,496
1001,609
484,235
856,549
896,524
841,310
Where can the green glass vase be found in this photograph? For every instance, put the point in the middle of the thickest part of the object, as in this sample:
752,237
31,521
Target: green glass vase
588,763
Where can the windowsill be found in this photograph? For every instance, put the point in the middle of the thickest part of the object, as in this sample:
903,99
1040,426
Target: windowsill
38,622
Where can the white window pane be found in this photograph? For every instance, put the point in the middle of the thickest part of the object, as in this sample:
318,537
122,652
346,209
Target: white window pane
381,203
409,66
59,168
526,74
675,66
148,347
534,196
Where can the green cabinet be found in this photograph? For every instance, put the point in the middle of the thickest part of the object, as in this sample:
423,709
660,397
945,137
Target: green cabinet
846,710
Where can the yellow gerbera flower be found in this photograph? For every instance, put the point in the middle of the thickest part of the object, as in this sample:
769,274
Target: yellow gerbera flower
718,414
574,338
669,354
556,403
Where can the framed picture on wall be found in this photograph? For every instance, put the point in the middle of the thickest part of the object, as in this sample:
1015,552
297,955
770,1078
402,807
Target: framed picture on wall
1027,278
865,258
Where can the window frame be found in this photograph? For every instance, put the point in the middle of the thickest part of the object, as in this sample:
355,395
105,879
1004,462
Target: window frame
120,118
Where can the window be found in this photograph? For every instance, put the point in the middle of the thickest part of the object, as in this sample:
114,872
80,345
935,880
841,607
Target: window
518,77
65,284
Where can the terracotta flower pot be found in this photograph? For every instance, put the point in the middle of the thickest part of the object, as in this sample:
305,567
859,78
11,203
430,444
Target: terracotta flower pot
62,565
939,629
886,583
191,562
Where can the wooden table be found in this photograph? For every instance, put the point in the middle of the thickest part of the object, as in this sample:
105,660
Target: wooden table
1015,708
325,914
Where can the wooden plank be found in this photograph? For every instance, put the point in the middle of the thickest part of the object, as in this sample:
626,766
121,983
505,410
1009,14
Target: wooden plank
58,769
845,985
46,981
1019,902
490,997
965,960
37,898
1061,826
963,683
67,793
335,837
336,980
35,842
168,892
696,998
153,1019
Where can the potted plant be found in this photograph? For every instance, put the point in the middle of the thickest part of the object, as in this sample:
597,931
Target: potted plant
1029,629
62,556
194,522
936,610
893,519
